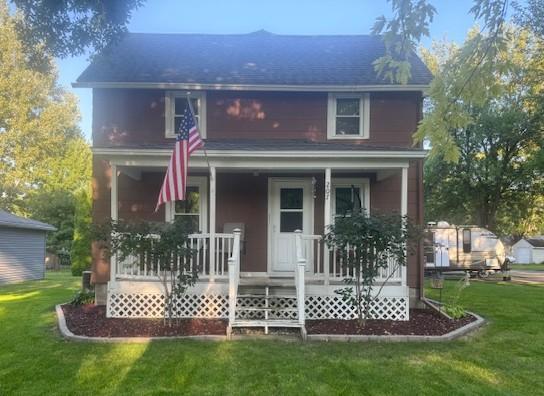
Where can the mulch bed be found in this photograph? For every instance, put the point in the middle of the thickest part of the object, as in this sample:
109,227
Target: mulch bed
422,322
91,321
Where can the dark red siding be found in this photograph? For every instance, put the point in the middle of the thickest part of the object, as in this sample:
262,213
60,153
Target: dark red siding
132,116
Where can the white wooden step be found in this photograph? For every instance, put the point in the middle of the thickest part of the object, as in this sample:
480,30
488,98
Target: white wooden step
265,323
267,296
266,309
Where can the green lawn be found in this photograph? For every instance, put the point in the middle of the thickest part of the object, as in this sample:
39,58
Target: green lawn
532,267
506,357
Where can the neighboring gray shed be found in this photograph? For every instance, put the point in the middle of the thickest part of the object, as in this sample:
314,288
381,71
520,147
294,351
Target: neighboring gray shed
22,248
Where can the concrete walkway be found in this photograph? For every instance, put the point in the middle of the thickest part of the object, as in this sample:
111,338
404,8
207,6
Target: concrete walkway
527,276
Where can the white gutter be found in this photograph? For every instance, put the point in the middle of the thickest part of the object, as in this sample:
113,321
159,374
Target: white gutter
266,154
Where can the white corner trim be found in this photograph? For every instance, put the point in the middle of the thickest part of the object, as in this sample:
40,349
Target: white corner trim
253,87
364,115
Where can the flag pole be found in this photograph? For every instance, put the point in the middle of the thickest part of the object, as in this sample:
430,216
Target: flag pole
198,127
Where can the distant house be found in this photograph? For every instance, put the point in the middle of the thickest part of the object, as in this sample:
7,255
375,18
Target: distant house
529,250
22,248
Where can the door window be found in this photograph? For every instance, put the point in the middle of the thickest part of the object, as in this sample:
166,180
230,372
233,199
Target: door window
291,210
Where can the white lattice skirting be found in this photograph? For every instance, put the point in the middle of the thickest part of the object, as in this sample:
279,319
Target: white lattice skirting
139,305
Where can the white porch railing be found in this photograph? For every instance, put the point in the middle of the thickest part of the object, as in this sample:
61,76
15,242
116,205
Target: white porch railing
142,267
328,265
234,276
300,272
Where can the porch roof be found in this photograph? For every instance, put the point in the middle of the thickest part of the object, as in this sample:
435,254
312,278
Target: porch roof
268,145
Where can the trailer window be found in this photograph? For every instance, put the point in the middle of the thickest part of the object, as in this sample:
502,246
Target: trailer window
467,245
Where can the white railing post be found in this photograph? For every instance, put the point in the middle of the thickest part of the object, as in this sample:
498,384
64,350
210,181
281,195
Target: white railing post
299,276
234,271
327,222
114,216
404,212
212,242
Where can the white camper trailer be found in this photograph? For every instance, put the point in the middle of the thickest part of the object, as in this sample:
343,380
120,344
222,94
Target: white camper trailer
468,248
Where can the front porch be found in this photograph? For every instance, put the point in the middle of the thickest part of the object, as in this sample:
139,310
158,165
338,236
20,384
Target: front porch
249,257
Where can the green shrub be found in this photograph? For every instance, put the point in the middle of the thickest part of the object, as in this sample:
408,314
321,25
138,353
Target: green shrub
83,297
455,311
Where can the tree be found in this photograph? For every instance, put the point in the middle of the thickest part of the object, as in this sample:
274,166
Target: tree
44,160
80,253
37,119
497,179
70,27
470,69
365,245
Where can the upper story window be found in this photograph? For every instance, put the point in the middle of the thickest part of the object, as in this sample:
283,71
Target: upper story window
175,104
348,116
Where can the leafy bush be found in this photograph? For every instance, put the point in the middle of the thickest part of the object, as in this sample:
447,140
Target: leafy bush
366,244
83,297
452,306
455,311
162,247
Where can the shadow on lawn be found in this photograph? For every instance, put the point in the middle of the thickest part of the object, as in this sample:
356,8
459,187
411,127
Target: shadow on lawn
34,360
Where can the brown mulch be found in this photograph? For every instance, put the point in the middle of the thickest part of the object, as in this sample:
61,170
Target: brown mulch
91,321
422,322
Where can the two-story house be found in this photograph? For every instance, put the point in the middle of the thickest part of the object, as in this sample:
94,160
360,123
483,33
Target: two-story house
297,130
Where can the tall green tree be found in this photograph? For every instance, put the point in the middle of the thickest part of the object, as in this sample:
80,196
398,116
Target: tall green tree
497,179
45,162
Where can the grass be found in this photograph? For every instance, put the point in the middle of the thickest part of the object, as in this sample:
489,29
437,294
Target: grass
532,267
503,358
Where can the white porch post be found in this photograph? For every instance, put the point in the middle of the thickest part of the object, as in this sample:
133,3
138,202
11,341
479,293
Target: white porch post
114,197
212,222
326,222
404,209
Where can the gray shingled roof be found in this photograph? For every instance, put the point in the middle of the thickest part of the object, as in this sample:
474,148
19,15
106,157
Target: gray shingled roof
246,59
271,145
536,242
10,220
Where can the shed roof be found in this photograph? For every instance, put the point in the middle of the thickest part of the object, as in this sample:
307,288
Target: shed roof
12,221
536,242
258,58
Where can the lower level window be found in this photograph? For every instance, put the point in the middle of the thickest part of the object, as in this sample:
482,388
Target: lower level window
189,210
193,210
348,196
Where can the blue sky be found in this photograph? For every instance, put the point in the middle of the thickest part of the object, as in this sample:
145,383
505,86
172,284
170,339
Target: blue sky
278,16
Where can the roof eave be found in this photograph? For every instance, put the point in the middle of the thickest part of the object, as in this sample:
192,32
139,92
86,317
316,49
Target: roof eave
252,87
411,154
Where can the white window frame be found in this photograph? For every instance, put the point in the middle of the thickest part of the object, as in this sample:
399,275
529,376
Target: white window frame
169,111
364,187
364,115
202,183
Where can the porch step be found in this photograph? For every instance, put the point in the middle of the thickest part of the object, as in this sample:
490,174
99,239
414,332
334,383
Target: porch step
273,282
269,296
266,323
258,309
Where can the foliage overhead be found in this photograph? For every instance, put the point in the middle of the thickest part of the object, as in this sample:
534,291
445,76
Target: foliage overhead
493,132
70,27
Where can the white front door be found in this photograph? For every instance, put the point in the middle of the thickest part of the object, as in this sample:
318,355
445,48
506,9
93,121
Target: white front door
290,208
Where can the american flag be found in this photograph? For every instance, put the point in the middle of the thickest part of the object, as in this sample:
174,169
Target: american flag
187,140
